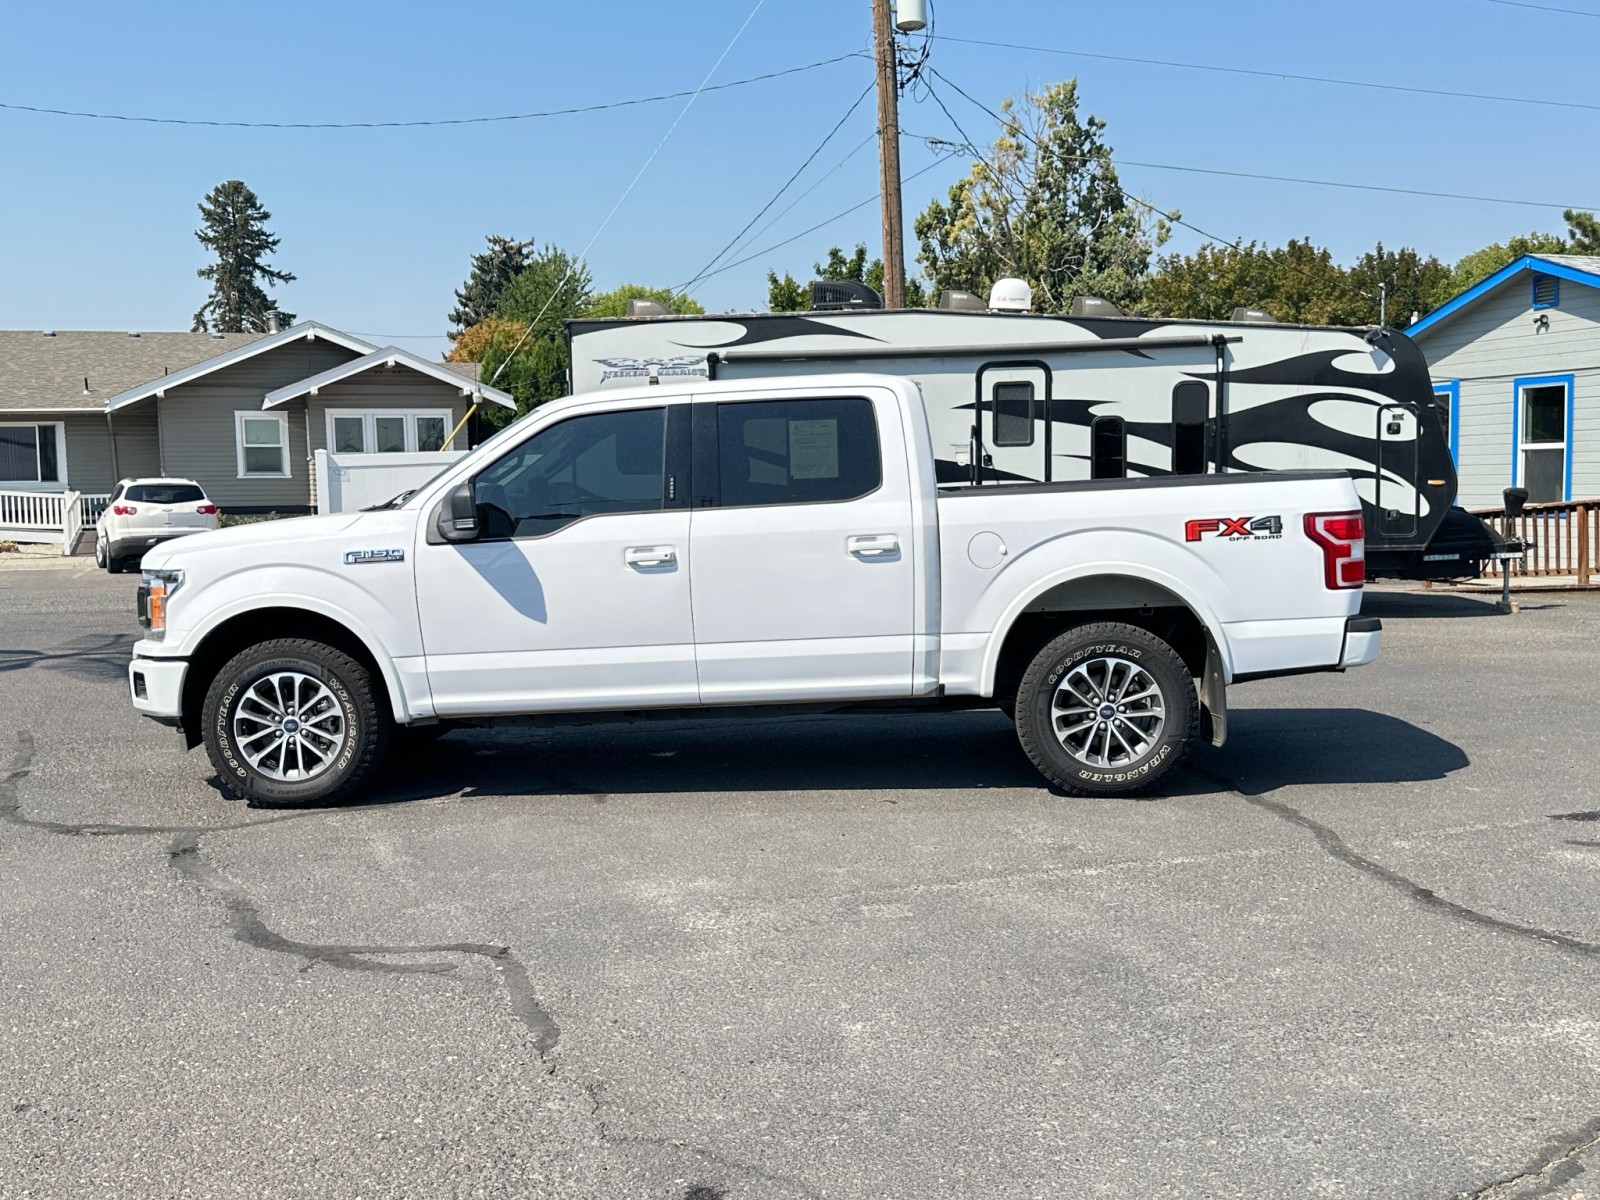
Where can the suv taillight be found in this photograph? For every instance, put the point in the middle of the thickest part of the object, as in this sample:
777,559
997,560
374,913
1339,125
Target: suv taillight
1342,536
207,510
124,510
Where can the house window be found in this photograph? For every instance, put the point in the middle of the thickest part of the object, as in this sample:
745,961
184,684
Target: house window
1546,291
386,431
31,453
262,440
1544,412
1447,401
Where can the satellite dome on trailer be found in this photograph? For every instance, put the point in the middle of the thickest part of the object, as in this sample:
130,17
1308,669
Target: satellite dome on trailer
1010,295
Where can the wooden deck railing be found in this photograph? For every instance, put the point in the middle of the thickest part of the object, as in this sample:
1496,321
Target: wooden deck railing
1564,539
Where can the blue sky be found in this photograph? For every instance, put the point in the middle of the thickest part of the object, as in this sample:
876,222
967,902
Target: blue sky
97,217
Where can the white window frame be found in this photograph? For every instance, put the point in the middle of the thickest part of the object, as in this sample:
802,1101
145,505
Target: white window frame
1527,384
58,484
240,416
369,429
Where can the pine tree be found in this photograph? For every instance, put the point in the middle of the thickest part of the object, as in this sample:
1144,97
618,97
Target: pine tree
492,273
234,228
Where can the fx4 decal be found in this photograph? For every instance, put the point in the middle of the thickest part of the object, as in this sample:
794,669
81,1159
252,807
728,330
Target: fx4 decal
1233,528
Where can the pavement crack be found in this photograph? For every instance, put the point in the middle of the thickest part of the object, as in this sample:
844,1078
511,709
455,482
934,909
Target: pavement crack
244,915
1338,849
1555,1164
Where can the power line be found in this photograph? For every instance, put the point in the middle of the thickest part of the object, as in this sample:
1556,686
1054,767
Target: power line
1261,74
819,181
1576,12
1332,183
872,199
528,116
1173,217
628,191
810,158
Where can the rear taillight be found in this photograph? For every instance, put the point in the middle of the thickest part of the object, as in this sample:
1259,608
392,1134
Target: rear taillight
1342,536
124,510
209,510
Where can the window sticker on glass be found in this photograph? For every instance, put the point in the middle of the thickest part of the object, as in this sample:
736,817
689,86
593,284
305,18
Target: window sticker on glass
814,449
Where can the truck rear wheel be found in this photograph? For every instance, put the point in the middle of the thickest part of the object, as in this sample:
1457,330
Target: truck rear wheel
293,721
1106,710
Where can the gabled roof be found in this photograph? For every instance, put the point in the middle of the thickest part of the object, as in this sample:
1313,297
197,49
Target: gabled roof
75,370
389,356
262,344
1578,268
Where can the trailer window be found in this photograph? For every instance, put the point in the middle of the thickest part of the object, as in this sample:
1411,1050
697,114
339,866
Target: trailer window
1108,448
1191,404
797,451
1012,404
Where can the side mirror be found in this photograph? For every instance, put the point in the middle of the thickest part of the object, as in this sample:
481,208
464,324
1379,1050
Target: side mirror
1515,498
458,515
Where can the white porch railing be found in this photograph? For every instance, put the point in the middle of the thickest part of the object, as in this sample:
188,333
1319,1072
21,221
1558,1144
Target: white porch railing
49,516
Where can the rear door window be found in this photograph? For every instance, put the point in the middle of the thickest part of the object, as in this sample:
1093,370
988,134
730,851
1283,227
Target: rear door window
797,451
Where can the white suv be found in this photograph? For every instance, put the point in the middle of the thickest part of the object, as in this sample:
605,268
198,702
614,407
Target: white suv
144,512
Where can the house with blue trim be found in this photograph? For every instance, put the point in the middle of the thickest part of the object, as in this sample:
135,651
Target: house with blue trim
1516,362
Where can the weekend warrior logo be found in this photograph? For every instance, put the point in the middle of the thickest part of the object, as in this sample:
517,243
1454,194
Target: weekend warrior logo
660,367
1234,529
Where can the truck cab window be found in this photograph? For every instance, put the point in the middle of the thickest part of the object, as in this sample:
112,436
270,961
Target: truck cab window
1108,448
1013,413
585,466
1191,404
797,451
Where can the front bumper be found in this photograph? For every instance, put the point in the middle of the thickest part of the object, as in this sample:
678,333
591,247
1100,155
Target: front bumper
156,687
1362,636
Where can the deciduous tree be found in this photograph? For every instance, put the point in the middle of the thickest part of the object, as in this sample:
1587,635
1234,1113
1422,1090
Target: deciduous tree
789,295
1045,205
615,302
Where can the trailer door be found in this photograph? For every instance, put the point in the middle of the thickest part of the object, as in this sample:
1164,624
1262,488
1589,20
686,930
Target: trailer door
1013,406
1397,495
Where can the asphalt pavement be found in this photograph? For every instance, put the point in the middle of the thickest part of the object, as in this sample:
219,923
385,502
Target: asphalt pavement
1355,953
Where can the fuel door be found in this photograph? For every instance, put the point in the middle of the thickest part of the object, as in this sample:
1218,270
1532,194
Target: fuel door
1396,496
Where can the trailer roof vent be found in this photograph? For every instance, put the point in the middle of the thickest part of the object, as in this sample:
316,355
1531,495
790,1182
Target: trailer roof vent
1010,295
1254,316
648,308
834,295
958,300
1093,306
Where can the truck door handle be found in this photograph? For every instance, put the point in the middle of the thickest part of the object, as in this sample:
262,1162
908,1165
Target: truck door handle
650,556
873,545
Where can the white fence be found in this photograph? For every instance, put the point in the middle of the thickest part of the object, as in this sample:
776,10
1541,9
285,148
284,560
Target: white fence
58,517
347,482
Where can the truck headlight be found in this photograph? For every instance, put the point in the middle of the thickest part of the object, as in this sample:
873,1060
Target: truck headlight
156,589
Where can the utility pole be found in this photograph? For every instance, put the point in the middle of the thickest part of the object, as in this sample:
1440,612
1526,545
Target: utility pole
894,265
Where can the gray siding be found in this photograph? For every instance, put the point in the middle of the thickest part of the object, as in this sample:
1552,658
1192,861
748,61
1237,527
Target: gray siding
138,435
89,466
1494,342
385,387
197,426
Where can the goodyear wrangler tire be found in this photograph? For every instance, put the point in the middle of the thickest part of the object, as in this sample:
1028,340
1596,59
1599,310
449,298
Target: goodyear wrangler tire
293,721
1106,710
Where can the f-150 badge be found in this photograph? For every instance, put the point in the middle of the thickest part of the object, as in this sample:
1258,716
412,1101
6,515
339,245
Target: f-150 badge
1233,528
356,557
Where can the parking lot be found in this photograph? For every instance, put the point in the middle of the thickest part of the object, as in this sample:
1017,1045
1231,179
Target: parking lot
1354,953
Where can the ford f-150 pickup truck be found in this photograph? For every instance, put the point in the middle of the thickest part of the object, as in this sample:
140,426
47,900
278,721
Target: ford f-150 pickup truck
735,547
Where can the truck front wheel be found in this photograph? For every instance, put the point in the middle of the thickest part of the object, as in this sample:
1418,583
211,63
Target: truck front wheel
293,721
1106,710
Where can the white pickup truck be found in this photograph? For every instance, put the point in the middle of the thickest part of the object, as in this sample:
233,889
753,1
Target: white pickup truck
734,547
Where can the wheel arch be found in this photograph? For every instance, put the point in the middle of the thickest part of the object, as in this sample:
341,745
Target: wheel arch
1127,592
241,628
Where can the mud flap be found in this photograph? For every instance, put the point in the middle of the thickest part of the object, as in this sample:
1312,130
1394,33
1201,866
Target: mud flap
1213,698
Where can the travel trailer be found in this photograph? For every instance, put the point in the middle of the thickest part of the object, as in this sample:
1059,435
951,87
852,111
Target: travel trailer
1014,396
